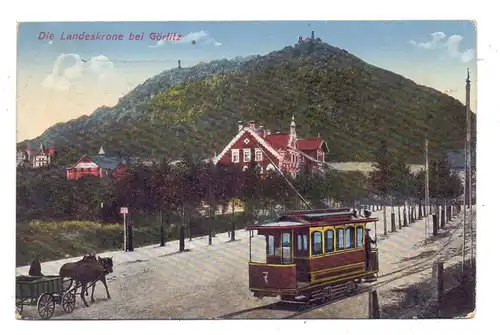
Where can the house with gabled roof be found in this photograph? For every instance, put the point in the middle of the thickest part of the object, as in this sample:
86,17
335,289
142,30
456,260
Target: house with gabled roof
97,166
282,151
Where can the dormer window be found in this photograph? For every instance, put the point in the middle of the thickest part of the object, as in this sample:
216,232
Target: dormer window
235,155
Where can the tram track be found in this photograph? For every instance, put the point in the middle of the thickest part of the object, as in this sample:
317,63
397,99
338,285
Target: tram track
298,309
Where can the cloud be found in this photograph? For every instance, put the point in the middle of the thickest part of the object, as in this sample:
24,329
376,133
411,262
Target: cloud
200,37
70,70
451,45
434,43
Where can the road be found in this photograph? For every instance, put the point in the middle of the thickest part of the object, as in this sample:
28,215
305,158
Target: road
210,281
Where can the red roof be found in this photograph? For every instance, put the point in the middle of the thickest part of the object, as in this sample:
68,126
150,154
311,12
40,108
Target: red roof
309,143
278,141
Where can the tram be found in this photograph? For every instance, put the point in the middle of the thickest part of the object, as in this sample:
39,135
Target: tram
312,255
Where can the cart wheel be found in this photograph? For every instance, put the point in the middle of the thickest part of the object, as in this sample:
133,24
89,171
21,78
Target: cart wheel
46,306
19,307
68,301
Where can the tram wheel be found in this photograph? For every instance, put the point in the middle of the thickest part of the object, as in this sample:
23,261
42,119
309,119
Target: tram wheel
46,306
68,301
351,287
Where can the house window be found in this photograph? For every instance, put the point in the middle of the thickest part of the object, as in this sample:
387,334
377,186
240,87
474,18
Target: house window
340,239
235,154
317,243
270,245
349,238
258,155
359,237
247,154
329,241
299,242
304,239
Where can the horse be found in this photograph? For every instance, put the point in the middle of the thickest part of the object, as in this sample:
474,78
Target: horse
68,269
107,263
90,272
36,268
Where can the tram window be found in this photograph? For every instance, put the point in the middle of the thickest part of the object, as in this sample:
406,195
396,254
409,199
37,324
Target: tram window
285,240
329,241
299,242
317,243
349,238
270,245
340,239
304,239
359,237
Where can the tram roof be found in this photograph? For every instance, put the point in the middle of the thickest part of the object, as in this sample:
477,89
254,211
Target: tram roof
312,218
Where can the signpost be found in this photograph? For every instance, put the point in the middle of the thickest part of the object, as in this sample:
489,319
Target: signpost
124,211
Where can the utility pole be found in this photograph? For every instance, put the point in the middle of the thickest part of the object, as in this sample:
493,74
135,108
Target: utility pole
469,160
426,185
465,208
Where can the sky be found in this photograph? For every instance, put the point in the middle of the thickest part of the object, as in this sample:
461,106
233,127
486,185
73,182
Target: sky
59,79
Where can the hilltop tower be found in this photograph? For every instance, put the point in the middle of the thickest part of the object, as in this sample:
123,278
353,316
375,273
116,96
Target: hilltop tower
179,63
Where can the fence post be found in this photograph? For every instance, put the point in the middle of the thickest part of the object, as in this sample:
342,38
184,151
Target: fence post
373,306
181,239
443,218
233,224
399,216
437,286
130,238
393,222
162,230
434,224
209,235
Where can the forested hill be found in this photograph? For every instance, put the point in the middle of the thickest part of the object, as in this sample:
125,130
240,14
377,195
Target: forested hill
351,103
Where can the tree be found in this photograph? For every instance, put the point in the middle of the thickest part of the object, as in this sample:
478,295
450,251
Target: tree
402,183
382,177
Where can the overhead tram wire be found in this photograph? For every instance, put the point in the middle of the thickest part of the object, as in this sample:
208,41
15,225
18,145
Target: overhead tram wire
284,177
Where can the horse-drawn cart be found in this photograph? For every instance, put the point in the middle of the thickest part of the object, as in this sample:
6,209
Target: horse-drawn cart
44,292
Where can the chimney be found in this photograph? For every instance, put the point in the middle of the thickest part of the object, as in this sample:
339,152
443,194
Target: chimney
262,132
240,126
179,63
252,125
268,132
